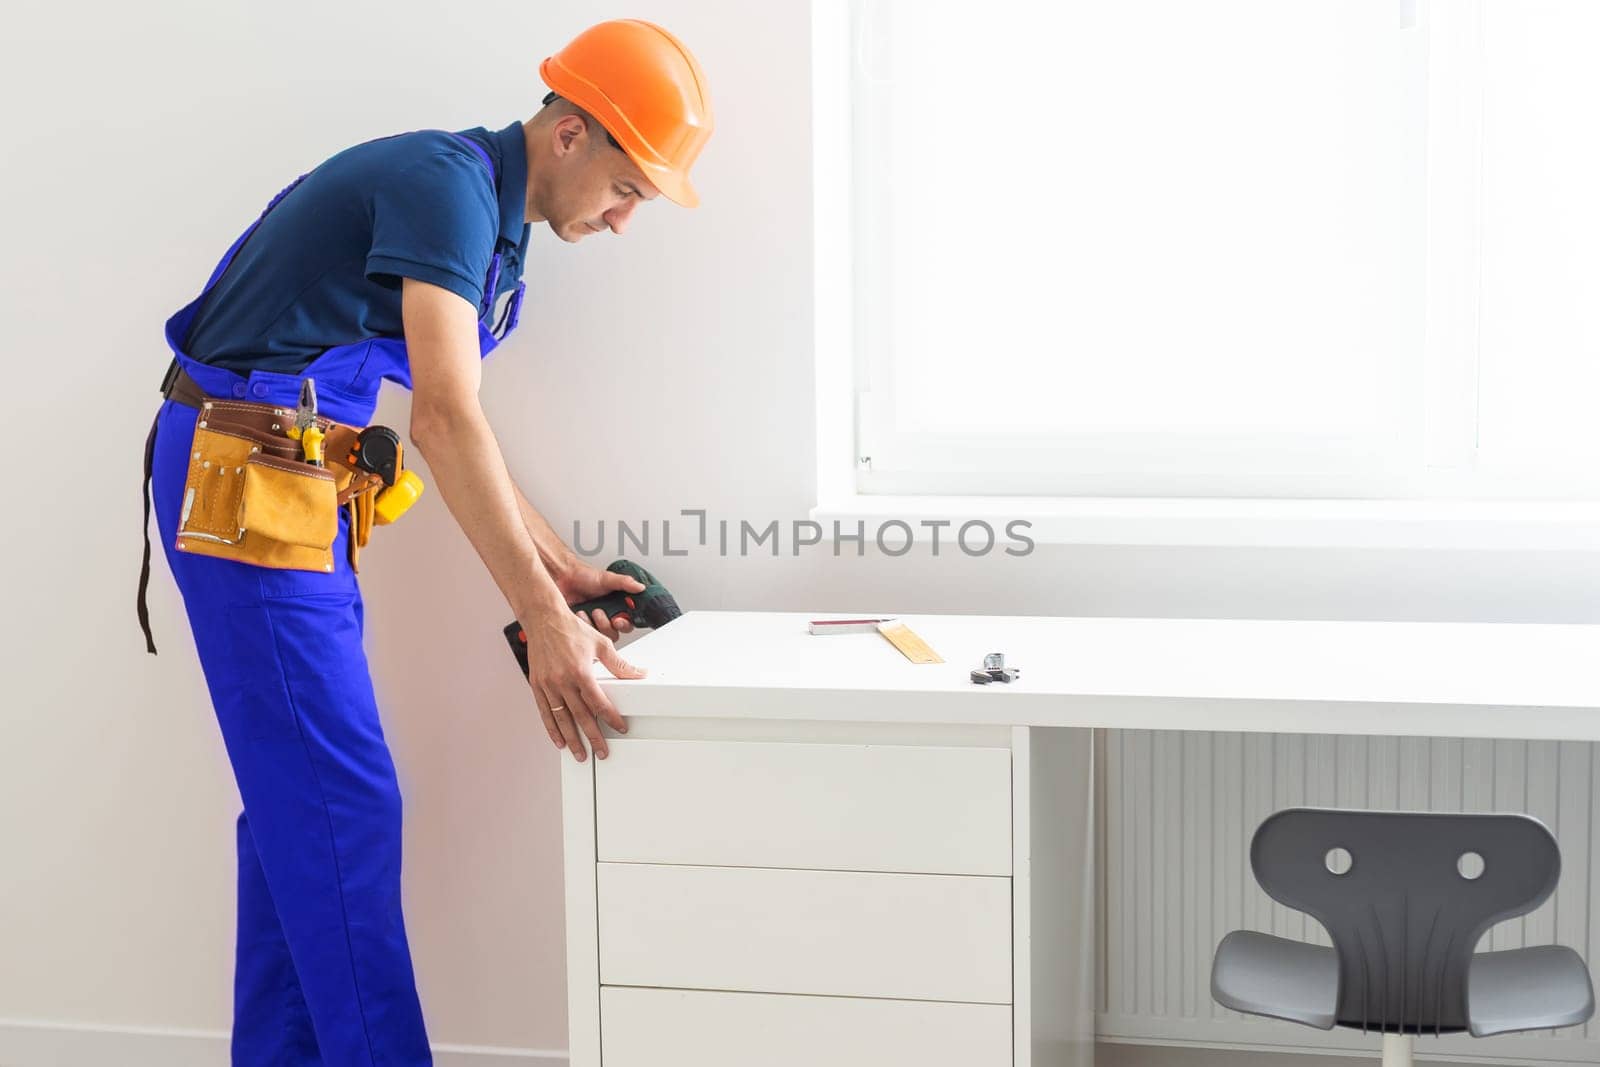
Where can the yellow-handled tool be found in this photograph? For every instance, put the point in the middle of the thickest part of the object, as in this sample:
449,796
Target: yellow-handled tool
306,429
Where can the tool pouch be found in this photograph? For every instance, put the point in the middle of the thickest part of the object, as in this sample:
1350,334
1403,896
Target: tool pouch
289,502
249,497
214,488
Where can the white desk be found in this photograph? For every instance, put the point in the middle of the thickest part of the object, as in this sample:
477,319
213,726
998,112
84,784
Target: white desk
808,849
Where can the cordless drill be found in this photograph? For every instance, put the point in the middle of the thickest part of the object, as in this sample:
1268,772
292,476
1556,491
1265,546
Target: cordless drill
651,608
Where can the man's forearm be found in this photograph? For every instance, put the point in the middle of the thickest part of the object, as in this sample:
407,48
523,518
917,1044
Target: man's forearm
472,477
557,557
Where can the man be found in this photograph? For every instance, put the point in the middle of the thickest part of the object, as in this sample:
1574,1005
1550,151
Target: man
385,262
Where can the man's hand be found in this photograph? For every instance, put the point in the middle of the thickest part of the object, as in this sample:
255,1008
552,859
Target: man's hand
448,427
579,582
560,648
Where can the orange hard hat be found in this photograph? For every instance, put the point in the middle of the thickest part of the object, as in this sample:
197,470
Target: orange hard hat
644,87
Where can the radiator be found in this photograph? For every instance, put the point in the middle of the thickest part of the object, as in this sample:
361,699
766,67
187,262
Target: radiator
1175,815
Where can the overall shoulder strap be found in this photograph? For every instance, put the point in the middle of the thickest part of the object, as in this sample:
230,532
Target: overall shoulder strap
481,154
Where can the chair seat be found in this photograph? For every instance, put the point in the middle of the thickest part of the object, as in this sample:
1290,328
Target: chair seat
1264,975
1527,989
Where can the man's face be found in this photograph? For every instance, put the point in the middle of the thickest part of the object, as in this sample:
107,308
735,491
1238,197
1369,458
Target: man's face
597,189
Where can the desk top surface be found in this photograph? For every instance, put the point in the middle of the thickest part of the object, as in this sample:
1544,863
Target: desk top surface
1313,676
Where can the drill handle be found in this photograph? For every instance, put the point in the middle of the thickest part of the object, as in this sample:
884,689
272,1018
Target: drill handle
613,604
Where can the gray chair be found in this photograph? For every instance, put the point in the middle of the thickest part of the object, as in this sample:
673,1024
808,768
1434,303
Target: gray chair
1405,898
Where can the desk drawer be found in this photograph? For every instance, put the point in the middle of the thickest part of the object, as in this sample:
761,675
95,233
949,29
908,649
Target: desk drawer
689,1028
911,936
815,806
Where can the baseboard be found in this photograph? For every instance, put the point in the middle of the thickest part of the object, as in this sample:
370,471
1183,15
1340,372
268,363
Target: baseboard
28,1043
1125,1055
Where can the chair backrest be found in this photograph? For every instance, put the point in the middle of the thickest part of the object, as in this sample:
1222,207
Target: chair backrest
1418,890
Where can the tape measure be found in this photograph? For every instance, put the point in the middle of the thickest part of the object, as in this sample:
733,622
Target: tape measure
377,449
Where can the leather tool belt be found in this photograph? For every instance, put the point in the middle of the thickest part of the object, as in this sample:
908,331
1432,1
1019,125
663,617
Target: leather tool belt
249,496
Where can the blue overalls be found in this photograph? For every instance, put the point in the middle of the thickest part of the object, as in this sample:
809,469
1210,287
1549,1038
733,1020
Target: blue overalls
322,968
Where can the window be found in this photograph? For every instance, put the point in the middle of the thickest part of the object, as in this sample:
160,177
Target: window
1231,248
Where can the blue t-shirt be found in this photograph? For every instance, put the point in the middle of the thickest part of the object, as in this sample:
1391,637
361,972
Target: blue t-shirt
324,267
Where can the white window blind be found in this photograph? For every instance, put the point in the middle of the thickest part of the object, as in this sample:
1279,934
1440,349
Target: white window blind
1329,248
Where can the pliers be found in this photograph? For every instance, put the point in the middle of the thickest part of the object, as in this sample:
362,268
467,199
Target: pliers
306,429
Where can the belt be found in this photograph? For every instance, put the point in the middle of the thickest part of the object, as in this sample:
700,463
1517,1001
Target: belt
178,387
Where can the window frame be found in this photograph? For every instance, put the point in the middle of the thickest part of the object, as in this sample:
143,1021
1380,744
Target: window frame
1430,507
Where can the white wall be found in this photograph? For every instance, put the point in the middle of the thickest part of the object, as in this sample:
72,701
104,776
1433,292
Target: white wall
665,370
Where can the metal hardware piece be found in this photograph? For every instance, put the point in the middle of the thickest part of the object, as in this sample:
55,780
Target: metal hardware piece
994,669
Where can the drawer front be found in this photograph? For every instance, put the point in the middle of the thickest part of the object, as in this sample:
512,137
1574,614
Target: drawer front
813,806
690,1028
912,936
